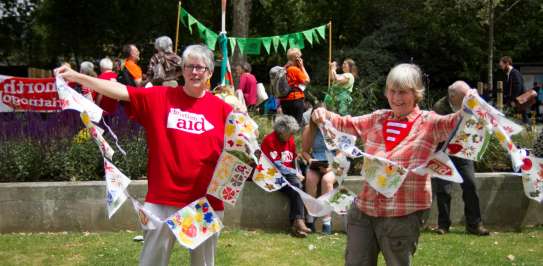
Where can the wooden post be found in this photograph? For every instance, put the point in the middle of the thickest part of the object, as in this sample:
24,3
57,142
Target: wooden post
329,52
480,88
499,100
177,27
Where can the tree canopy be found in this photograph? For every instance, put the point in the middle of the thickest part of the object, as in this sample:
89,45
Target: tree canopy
448,39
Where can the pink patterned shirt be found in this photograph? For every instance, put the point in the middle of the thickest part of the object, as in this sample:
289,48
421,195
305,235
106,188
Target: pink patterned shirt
427,132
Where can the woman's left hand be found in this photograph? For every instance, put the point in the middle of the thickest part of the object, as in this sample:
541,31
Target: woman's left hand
300,177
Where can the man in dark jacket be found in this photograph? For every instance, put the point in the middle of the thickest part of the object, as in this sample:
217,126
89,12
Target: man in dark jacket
442,188
513,85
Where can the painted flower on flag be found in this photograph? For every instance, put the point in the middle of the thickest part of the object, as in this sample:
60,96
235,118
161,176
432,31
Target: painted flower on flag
228,193
472,103
269,186
382,181
143,217
279,181
208,217
271,171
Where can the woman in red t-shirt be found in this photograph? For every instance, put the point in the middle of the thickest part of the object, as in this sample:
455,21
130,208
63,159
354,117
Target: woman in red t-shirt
280,148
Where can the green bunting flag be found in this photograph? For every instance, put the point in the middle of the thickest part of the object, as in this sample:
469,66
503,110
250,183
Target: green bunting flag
232,42
201,30
211,39
266,42
252,45
308,34
315,36
183,14
191,20
322,31
242,43
284,41
275,40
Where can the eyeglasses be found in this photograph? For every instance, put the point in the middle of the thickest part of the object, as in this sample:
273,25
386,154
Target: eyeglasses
198,68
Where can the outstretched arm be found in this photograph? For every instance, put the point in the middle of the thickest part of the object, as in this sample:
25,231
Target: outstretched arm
108,88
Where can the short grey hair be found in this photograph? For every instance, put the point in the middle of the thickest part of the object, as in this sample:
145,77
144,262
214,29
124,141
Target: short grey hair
87,68
164,44
106,64
458,85
406,77
285,124
199,51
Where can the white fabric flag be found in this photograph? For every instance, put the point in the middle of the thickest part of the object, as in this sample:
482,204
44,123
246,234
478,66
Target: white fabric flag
116,184
383,175
532,178
228,178
470,139
339,164
241,134
147,219
340,199
75,101
267,176
440,166
475,105
97,135
194,224
316,207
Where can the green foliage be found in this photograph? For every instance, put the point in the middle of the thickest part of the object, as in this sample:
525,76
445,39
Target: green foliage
65,160
496,158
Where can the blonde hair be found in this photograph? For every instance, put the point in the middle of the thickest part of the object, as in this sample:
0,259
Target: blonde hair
406,77
292,53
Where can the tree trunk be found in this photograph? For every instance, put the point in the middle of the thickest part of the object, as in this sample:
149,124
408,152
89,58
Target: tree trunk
242,16
490,44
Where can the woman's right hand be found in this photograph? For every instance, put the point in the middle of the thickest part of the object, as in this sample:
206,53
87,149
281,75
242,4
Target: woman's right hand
66,73
319,115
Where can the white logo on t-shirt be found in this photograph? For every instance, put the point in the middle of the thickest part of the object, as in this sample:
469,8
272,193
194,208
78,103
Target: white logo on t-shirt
287,156
188,122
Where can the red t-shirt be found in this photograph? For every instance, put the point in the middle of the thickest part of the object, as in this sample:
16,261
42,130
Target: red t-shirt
247,84
109,105
279,151
185,137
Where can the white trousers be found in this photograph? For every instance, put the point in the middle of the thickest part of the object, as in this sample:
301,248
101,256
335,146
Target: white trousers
158,243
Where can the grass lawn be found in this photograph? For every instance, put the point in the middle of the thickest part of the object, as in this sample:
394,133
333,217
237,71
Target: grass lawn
241,247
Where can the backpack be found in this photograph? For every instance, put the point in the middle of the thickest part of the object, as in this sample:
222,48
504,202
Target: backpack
125,78
279,83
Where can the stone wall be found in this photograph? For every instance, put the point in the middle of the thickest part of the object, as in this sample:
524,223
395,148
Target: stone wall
79,206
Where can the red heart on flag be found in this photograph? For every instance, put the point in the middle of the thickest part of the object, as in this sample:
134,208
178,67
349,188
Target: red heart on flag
454,148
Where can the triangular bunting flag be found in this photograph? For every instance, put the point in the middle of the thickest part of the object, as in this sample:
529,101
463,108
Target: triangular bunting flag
228,178
267,176
308,34
211,39
194,224
147,219
232,42
322,31
275,40
266,42
242,43
116,184
284,41
75,101
532,179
